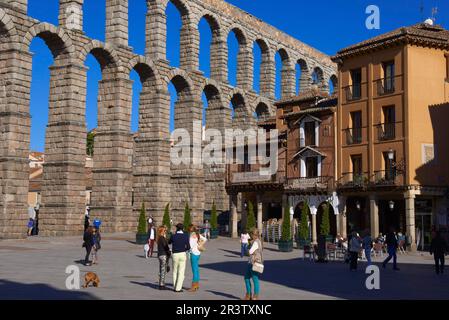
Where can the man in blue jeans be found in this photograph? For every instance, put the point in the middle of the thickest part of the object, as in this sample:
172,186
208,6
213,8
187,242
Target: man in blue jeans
392,245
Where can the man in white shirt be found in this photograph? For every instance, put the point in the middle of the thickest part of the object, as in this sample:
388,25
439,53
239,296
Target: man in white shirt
244,239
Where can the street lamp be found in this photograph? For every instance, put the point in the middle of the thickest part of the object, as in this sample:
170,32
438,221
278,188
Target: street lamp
391,205
358,205
391,154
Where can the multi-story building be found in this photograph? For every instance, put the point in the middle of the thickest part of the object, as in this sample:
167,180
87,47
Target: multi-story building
392,147
305,170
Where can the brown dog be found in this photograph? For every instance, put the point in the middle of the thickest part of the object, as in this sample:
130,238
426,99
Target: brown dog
91,277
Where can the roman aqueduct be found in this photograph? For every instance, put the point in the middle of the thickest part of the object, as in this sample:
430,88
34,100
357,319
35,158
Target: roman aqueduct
120,167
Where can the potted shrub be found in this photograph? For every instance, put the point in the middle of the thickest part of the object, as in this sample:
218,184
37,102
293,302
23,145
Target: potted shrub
213,222
250,218
166,220
303,237
142,234
187,217
325,224
285,244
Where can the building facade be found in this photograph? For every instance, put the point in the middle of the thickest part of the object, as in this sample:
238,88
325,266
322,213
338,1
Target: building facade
392,150
305,166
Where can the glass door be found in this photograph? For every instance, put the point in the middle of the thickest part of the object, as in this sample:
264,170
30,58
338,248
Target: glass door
423,224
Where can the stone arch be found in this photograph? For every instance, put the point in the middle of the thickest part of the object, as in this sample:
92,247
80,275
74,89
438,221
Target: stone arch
213,22
56,39
105,54
266,67
181,80
317,76
287,73
216,46
8,28
262,111
334,81
304,79
213,111
244,58
146,69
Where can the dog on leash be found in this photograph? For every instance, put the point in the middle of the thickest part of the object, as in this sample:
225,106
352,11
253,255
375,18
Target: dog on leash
91,277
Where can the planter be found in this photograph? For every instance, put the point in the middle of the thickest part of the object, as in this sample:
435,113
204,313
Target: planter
214,233
285,246
301,243
141,238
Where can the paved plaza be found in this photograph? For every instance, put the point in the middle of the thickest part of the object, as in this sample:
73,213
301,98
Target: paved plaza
34,268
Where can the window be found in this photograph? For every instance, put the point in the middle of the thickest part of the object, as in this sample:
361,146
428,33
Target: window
357,169
388,128
390,170
311,167
309,133
356,132
356,77
388,83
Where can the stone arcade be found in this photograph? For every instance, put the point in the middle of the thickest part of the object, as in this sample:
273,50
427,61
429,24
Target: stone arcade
155,182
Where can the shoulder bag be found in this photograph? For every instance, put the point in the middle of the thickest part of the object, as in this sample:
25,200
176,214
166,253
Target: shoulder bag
258,261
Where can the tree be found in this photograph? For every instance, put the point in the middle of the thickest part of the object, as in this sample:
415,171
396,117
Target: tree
304,224
142,227
325,224
250,219
90,143
213,217
187,217
286,227
166,218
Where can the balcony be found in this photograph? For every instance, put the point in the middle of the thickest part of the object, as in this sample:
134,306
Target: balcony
318,183
385,86
250,177
391,177
386,131
354,180
353,135
354,92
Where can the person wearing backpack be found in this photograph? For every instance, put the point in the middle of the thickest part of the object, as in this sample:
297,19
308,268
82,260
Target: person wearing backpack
255,266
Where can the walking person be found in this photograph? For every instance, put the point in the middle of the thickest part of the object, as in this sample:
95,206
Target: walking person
244,239
180,245
96,244
197,242
30,226
151,239
86,219
88,244
354,249
207,230
392,246
255,257
367,243
163,255
439,248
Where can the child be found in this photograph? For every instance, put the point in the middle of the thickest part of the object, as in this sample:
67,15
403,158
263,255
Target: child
96,246
244,243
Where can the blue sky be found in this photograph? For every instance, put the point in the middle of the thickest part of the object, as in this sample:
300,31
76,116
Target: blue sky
327,25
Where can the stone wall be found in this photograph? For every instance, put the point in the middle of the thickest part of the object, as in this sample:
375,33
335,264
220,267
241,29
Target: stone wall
155,182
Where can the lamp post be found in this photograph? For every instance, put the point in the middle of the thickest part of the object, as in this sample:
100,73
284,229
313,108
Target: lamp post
358,205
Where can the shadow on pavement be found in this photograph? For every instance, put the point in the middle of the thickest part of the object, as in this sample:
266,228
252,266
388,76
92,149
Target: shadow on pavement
333,279
236,253
222,294
10,290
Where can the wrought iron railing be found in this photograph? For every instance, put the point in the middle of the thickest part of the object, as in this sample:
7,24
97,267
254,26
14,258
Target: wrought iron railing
385,86
310,183
354,180
354,135
386,131
354,92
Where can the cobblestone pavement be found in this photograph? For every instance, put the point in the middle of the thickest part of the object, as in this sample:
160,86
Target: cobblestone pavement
34,268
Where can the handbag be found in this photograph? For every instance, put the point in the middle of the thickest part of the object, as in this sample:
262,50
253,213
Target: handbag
258,266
